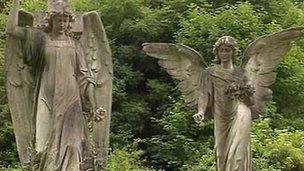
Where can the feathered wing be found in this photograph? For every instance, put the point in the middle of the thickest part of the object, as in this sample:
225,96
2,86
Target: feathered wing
182,63
261,59
20,86
99,60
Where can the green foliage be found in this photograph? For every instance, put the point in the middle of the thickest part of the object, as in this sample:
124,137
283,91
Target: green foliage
288,149
84,5
33,5
8,154
201,29
284,12
3,19
290,81
125,161
276,149
180,142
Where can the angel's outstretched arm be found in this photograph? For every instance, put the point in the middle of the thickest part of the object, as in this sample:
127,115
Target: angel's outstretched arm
202,104
90,94
99,113
87,84
204,98
12,27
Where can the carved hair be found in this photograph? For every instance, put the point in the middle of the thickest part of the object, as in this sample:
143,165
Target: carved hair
57,8
47,27
225,40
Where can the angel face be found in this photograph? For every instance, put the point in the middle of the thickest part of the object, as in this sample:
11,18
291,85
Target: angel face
60,23
224,49
225,53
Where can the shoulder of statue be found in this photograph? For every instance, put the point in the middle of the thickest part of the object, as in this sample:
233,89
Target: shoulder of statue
238,71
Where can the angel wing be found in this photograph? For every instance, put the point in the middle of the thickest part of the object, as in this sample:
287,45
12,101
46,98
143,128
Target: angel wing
99,60
184,64
261,59
20,91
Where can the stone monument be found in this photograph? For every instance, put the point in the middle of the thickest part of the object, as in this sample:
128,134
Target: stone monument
232,94
54,62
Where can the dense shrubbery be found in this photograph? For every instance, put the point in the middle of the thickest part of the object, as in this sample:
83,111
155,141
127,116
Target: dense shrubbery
151,124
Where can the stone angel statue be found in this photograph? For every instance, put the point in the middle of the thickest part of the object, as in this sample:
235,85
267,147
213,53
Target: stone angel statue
50,74
232,94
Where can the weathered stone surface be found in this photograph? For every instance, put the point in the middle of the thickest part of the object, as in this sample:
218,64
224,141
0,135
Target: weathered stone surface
49,73
233,94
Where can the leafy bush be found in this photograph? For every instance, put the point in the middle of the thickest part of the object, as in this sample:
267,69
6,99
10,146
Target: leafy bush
125,161
179,142
277,149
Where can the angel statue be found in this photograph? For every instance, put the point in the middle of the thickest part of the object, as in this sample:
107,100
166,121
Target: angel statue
54,63
232,94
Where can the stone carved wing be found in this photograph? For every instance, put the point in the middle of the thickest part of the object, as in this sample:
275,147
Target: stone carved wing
99,61
182,63
20,86
261,59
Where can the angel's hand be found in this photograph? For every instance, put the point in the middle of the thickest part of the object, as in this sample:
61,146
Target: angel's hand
199,117
99,114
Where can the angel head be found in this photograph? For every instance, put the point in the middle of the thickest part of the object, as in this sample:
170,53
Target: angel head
225,49
58,18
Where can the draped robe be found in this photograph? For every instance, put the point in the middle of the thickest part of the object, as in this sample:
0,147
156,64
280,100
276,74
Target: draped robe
61,133
232,120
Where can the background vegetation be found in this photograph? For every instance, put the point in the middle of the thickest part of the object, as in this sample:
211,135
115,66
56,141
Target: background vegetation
151,128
